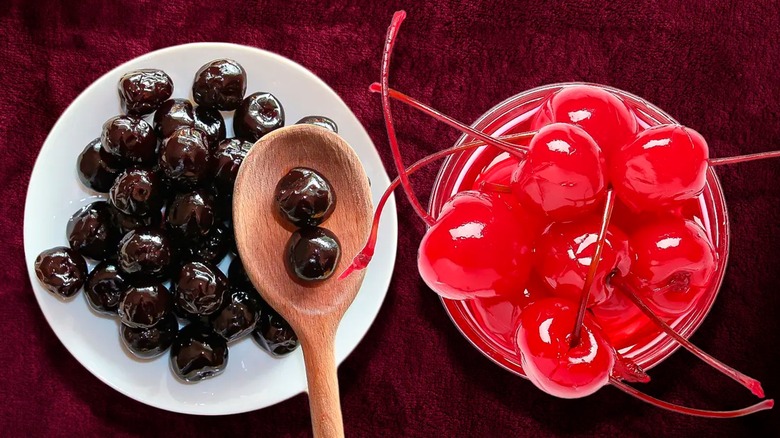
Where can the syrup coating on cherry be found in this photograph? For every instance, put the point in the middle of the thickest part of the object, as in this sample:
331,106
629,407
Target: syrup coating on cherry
479,246
563,175
673,263
565,252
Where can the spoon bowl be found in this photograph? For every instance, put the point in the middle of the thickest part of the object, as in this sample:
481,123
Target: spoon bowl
313,310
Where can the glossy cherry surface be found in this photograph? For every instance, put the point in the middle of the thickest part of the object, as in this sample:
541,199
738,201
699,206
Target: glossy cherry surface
312,254
238,315
304,197
138,192
563,175
142,91
565,252
61,270
212,247
129,139
220,84
228,156
97,169
200,288
211,122
145,306
673,264
258,114
273,333
543,343
172,115
321,121
198,353
664,165
601,113
191,215
185,157
145,253
105,287
92,232
149,342
480,246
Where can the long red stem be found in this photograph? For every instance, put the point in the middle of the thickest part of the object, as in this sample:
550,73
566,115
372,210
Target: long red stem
392,32
438,115
363,258
748,382
761,406
594,264
743,158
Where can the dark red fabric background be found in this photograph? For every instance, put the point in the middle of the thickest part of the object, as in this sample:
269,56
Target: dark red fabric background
714,68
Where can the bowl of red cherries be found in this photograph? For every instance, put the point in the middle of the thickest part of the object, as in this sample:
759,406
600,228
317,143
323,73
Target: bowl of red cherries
577,235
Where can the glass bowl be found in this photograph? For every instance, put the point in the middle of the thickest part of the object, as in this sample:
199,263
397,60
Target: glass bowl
461,172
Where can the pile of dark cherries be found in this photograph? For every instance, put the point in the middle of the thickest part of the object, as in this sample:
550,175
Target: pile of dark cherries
169,180
306,199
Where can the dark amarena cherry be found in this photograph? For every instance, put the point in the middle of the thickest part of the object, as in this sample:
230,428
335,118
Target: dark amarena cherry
198,353
220,84
92,232
130,139
304,197
144,253
321,121
185,157
273,333
61,270
211,248
312,254
238,315
149,342
172,115
142,91
200,288
98,169
228,156
138,192
145,306
210,121
105,288
258,114
191,215
126,222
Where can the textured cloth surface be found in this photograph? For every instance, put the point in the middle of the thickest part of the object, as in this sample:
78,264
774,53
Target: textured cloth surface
712,65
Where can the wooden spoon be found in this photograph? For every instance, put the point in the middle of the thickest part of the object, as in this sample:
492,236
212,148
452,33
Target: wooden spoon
315,310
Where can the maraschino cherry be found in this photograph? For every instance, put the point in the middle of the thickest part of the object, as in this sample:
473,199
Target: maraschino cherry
479,246
602,114
673,264
565,252
549,360
563,175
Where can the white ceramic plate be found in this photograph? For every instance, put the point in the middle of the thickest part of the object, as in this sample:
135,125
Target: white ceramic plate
253,379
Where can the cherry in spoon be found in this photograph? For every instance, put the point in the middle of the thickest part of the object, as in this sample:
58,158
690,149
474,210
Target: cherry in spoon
313,310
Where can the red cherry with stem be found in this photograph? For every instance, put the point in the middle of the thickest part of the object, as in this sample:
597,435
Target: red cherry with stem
550,362
563,175
566,250
673,264
499,173
664,165
480,246
363,258
601,113
642,304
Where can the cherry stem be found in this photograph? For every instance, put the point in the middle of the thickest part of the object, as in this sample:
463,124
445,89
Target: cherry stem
438,115
761,406
594,264
392,33
363,258
748,382
743,158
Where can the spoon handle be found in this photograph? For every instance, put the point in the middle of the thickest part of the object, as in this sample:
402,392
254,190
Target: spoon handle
320,359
